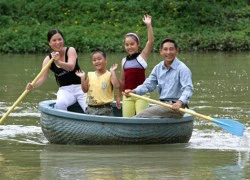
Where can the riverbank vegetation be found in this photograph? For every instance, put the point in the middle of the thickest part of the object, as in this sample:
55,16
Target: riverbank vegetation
206,25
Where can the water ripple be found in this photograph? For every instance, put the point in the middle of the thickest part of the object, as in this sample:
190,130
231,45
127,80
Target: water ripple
22,134
211,139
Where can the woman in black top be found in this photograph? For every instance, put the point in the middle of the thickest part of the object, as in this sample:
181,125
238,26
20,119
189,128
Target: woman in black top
64,67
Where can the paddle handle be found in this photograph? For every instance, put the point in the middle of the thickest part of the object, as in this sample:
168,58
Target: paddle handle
230,126
45,68
170,107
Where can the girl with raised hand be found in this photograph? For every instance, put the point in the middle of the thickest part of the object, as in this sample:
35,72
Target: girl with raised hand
133,70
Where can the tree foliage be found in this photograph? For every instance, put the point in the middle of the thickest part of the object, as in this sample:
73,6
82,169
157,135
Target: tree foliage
196,25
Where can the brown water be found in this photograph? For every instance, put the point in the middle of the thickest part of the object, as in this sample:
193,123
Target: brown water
221,81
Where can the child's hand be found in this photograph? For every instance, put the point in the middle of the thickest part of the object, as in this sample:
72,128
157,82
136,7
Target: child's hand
147,19
113,67
118,103
80,73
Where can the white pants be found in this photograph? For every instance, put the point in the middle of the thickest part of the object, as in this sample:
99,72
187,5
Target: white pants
68,95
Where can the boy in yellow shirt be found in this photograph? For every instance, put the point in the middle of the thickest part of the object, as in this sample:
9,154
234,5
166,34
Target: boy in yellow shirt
99,85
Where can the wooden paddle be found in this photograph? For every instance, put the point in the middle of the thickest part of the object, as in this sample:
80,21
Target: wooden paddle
46,67
231,126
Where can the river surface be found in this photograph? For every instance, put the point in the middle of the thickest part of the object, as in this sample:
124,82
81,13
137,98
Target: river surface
221,82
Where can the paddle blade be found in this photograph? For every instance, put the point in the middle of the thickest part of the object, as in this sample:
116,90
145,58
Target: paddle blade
231,126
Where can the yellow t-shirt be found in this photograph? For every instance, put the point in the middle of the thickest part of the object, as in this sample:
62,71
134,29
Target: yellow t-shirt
101,90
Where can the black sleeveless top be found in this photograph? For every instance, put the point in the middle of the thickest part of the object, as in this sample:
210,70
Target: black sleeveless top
63,77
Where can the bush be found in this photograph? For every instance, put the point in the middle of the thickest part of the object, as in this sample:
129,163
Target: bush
196,25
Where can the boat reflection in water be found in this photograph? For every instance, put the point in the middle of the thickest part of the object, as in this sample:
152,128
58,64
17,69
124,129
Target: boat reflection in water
165,161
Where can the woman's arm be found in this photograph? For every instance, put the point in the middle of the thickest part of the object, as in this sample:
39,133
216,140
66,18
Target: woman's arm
70,65
43,77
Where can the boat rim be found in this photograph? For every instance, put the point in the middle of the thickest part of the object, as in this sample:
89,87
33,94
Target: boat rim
47,108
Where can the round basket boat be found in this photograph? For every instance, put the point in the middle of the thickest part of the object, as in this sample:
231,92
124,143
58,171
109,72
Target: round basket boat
75,127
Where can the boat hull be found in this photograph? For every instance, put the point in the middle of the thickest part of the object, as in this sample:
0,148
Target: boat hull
65,127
